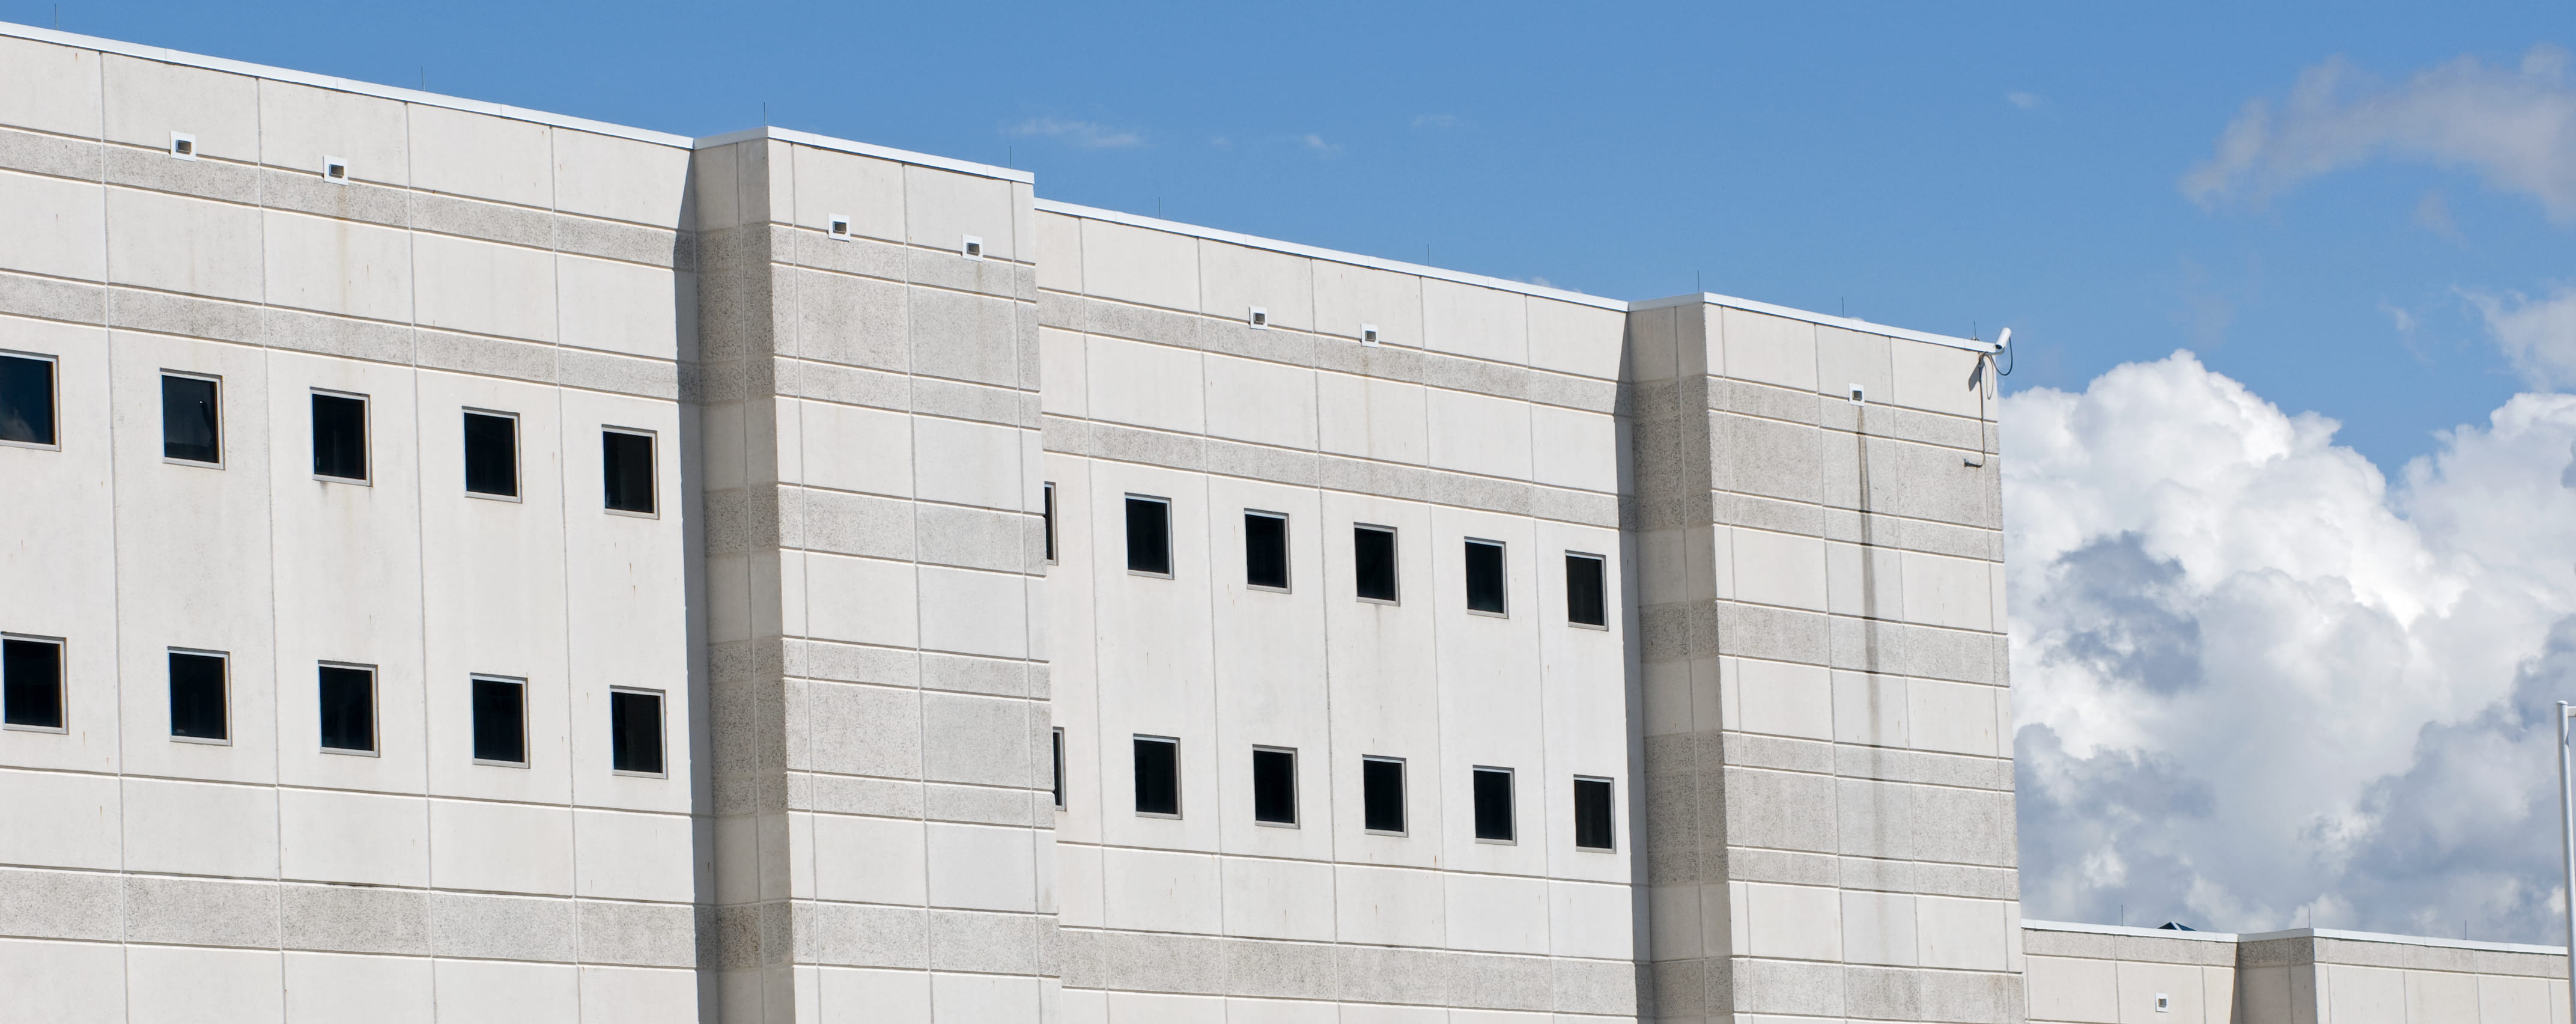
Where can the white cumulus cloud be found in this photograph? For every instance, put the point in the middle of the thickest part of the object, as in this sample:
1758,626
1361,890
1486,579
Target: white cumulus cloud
2515,127
2256,680
2538,335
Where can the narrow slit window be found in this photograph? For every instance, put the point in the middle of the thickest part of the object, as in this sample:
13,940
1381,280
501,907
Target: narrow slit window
1485,577
1059,769
26,399
635,732
200,697
1494,805
1046,513
1149,535
1585,603
191,419
31,683
1592,820
1382,794
626,469
348,709
1265,550
492,454
1158,776
1274,786
500,721
1373,562
339,436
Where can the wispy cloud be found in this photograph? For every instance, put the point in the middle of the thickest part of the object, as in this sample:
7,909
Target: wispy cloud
2025,100
1316,143
2433,213
2538,335
1085,134
2514,127
1436,121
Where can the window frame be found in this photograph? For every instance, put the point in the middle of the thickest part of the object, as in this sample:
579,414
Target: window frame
1059,767
661,731
653,467
1287,554
1612,806
220,419
1179,802
53,398
1394,561
62,682
1467,574
1046,517
518,472
366,434
1511,801
1604,597
226,658
1171,568
474,724
1296,812
375,709
1403,798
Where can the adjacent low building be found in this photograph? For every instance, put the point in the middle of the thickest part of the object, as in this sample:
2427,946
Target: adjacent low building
472,564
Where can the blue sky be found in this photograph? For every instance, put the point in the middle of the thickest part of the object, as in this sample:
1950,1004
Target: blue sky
1866,158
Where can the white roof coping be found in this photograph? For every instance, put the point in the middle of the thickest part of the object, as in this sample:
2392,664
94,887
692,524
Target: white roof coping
2403,940
1844,322
166,56
2113,929
866,149
431,99
2294,933
1355,259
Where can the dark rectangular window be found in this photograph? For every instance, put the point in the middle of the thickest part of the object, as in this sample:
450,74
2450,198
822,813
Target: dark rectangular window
348,708
492,454
1149,535
200,704
1485,577
635,731
339,436
1494,804
626,468
1158,775
1382,794
1592,815
1274,786
500,721
1046,511
1373,562
26,399
1584,604
1059,769
1265,550
191,419
31,683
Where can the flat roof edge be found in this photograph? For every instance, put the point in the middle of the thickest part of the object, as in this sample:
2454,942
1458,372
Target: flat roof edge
1844,322
1337,256
2114,929
390,92
2294,933
866,149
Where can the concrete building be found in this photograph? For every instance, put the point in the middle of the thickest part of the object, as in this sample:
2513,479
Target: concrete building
775,578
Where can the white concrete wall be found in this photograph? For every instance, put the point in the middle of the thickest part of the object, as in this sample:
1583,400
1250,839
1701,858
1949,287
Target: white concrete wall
2098,974
475,261
1482,412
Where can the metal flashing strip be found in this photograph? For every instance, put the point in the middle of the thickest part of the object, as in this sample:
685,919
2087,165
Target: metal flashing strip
866,149
2403,940
1355,259
2113,929
431,99
1844,322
